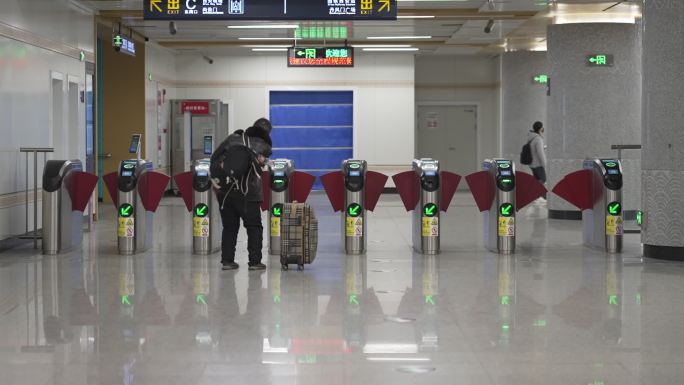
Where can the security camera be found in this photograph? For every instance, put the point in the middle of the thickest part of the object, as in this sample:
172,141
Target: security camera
172,28
208,59
488,27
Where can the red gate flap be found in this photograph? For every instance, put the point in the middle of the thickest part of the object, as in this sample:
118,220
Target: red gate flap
151,186
449,185
527,189
301,186
375,184
266,188
81,189
111,180
482,187
408,186
576,189
333,183
184,183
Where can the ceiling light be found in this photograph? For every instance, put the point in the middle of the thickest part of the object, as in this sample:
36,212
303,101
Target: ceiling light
397,37
267,46
265,38
415,17
381,45
264,26
269,49
390,49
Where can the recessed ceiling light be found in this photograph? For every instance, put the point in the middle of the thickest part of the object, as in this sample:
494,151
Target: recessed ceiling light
390,49
264,26
267,46
269,49
415,17
265,38
381,45
397,37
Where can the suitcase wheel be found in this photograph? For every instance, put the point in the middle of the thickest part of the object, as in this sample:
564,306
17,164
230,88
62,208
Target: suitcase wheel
300,267
285,268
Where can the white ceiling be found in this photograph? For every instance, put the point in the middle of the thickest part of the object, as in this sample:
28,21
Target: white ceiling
458,26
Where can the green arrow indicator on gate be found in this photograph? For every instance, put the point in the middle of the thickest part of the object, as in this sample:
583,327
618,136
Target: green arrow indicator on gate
125,300
277,210
353,299
612,300
505,300
125,210
201,299
430,300
614,208
201,210
354,210
430,210
506,210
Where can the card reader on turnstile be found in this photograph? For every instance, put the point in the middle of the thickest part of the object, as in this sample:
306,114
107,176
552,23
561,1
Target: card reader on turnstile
597,191
354,190
426,190
136,191
500,191
201,201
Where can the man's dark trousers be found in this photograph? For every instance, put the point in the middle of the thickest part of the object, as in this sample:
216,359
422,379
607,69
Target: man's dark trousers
234,209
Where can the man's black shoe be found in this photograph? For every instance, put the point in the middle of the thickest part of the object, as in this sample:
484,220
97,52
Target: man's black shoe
230,266
257,266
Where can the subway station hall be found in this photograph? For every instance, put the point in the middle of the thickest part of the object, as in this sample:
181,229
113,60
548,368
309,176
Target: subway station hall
341,192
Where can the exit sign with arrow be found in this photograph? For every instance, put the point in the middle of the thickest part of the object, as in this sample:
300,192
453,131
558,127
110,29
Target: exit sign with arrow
320,57
600,60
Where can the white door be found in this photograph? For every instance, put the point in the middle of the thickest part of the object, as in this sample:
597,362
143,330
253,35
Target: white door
449,134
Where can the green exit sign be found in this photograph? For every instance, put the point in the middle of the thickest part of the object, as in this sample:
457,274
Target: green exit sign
600,60
541,79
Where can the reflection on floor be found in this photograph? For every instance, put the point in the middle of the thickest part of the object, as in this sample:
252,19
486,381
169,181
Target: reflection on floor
554,313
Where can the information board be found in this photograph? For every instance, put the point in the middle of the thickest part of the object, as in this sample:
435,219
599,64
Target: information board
270,9
320,57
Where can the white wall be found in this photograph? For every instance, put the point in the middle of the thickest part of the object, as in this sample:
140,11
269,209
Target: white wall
26,70
464,80
161,64
383,88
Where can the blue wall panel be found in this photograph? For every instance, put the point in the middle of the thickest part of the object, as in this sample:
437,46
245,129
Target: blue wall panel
313,137
312,115
313,128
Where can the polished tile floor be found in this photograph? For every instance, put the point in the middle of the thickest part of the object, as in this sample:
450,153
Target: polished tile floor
553,313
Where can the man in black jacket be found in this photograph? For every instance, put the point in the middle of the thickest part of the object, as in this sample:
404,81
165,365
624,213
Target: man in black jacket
244,201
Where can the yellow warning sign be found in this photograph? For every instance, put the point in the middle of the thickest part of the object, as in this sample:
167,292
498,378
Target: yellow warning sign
275,226
430,227
126,228
613,225
506,226
200,228
354,227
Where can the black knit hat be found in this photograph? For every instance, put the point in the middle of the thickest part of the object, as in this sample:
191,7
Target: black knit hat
265,124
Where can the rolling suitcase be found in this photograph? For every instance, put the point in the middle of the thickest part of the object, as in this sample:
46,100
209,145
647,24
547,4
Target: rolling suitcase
298,235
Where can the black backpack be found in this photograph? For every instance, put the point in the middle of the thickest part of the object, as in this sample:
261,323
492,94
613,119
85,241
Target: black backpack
526,153
237,161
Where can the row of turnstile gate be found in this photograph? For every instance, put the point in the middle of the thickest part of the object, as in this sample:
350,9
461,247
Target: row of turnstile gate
499,192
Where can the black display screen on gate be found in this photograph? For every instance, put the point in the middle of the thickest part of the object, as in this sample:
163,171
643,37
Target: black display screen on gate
270,9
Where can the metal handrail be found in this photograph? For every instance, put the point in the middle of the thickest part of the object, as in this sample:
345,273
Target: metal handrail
620,147
35,151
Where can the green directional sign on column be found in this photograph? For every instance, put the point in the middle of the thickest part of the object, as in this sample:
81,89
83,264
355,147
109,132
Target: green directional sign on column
615,208
126,210
354,210
506,210
277,210
201,210
430,210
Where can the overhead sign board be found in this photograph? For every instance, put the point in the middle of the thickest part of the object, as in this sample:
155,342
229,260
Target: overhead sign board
123,45
320,57
270,9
